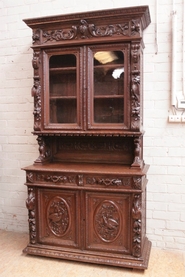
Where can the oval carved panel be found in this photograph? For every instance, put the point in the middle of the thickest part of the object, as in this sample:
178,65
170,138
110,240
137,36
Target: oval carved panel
58,216
107,221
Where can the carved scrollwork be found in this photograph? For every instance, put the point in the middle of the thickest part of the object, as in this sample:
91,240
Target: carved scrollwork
85,30
30,204
44,150
95,31
57,179
57,35
84,145
108,181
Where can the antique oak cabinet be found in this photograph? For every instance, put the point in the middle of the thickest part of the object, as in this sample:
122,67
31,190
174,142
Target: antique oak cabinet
87,188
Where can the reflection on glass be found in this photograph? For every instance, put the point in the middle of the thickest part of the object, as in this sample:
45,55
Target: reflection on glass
62,89
108,87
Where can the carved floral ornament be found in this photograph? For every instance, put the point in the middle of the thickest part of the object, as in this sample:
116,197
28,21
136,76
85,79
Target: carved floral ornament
85,30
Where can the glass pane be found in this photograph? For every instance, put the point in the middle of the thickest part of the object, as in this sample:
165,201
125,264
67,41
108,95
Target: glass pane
109,87
108,110
63,111
62,89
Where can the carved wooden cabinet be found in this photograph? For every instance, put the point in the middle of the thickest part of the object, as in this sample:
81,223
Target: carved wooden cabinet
87,189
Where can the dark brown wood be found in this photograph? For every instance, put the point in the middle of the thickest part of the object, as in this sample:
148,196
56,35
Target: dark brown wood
87,188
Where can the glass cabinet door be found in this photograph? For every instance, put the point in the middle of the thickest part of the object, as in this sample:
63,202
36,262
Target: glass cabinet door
108,86
63,91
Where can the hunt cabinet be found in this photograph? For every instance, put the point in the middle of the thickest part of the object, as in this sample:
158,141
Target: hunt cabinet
87,188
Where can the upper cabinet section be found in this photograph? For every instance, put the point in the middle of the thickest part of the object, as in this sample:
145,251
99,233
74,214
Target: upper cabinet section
88,72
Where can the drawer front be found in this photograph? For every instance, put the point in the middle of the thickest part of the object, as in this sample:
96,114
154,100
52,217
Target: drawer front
89,181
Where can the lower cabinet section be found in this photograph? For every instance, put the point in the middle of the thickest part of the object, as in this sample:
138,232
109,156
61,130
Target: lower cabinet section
99,222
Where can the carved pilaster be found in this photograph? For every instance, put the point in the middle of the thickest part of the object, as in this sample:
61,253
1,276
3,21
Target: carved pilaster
30,204
135,86
36,91
136,215
44,150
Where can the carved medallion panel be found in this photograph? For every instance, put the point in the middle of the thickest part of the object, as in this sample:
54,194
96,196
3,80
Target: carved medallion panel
108,222
58,217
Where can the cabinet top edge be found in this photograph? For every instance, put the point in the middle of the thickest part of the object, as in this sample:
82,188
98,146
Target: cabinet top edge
127,13
88,168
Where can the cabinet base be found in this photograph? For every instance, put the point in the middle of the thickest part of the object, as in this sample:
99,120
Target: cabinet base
126,261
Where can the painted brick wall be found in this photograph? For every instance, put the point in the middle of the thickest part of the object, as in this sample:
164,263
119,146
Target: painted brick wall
164,143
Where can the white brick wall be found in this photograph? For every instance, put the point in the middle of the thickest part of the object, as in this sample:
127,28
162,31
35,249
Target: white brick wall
164,143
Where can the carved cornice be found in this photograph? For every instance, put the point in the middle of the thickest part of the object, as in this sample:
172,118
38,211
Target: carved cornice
127,14
85,30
